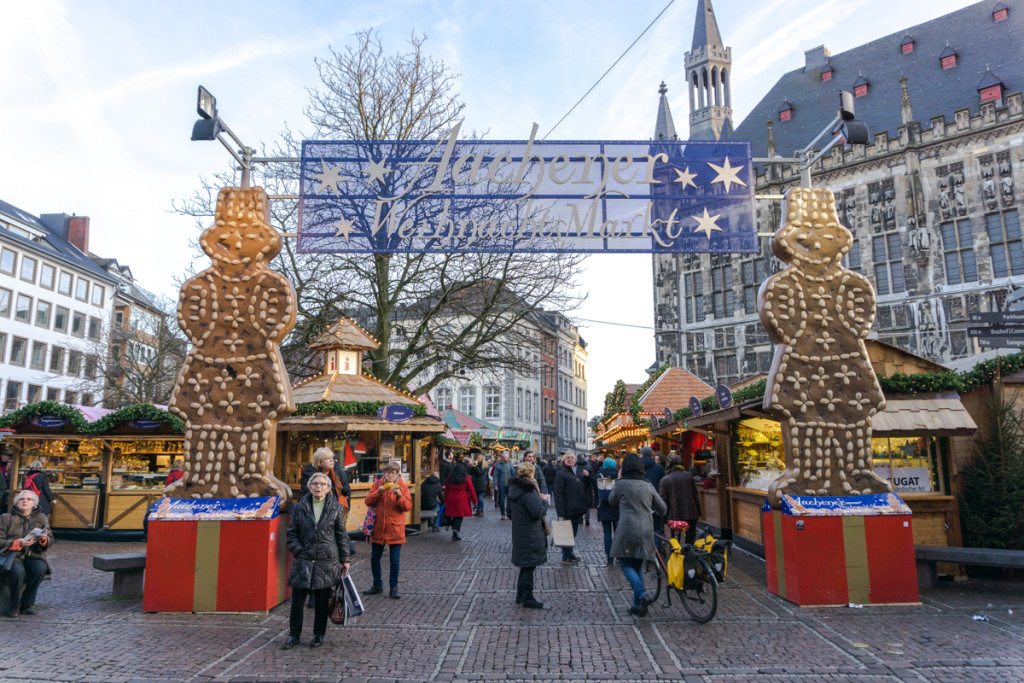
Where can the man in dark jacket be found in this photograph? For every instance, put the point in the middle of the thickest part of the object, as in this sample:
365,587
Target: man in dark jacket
679,492
538,472
571,498
549,475
431,498
478,475
446,467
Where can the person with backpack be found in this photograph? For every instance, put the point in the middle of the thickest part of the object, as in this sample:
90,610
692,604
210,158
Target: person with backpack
38,483
607,514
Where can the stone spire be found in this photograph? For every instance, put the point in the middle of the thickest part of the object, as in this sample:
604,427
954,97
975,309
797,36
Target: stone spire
771,140
664,127
905,109
709,77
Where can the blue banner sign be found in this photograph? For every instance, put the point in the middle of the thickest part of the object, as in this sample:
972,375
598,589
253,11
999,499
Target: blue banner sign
396,412
478,196
215,509
840,506
144,424
48,421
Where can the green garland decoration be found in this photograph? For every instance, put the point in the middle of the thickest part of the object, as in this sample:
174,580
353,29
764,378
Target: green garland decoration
476,440
39,408
140,411
634,406
615,400
350,408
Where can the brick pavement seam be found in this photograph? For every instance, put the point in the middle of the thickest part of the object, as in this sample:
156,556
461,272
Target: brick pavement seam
647,651
220,659
668,649
444,656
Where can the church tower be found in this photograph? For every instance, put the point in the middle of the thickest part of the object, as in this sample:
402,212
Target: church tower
667,323
709,76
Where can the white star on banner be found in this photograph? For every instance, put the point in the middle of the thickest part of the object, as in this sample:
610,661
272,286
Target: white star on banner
329,178
727,174
706,223
344,228
376,171
685,178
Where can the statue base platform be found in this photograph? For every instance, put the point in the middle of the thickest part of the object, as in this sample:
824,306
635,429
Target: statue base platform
216,565
852,550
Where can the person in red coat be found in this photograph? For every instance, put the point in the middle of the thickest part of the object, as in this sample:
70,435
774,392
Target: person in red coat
390,496
459,498
175,473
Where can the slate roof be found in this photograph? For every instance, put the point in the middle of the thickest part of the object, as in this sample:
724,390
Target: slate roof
53,243
705,28
981,44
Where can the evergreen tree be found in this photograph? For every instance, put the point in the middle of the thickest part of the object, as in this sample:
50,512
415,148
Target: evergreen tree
992,486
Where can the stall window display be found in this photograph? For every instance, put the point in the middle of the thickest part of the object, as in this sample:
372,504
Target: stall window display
67,465
757,452
910,463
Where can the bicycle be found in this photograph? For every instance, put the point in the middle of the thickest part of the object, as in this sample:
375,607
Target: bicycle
699,593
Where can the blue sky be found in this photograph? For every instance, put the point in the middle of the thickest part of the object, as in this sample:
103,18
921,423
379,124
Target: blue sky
99,99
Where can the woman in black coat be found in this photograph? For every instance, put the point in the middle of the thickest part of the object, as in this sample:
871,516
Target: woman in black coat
320,547
478,475
527,509
607,514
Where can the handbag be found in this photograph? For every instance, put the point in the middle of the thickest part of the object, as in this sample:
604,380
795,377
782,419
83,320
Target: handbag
7,559
561,534
336,610
544,525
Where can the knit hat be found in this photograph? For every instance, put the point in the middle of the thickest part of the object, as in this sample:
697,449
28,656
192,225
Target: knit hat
608,463
646,451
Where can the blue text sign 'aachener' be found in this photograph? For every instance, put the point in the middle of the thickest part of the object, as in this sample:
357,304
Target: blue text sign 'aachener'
457,196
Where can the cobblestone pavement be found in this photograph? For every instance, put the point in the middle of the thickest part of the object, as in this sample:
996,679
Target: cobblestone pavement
456,620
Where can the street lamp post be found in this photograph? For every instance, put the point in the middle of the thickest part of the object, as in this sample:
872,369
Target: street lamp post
210,126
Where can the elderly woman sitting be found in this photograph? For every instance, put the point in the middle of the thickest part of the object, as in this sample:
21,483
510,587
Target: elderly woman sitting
25,531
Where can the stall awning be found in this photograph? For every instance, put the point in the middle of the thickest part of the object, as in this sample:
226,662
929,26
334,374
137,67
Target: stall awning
917,416
354,423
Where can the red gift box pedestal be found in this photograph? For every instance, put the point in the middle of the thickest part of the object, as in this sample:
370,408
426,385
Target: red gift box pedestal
824,561
216,566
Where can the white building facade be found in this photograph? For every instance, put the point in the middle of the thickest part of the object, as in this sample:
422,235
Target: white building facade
55,304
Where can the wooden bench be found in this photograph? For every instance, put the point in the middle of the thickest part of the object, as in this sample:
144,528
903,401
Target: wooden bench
427,518
929,556
129,570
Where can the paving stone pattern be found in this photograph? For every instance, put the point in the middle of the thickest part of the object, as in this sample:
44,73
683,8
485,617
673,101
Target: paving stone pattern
457,621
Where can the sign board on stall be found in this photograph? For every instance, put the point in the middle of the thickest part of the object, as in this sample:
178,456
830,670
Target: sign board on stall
724,396
480,196
695,406
907,478
396,412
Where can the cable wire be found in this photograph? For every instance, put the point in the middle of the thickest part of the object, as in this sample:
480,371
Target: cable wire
653,21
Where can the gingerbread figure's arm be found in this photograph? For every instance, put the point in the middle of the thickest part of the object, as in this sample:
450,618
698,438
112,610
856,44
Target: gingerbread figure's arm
779,308
194,304
274,308
856,304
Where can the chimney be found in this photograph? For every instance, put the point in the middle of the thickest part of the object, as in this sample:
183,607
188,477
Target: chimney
78,232
814,58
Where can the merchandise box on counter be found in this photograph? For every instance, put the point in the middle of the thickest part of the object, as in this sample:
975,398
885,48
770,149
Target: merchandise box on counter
846,550
216,555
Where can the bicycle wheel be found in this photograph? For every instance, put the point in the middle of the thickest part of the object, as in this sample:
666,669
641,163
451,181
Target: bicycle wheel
701,600
658,570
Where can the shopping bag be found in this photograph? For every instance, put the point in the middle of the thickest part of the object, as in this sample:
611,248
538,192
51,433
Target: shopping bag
369,521
353,603
561,534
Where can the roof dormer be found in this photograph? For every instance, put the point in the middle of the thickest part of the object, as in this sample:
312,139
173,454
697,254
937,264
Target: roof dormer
860,86
948,58
785,111
990,89
1000,12
826,73
907,44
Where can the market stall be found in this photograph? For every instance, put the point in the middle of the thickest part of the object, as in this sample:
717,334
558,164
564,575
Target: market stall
364,421
103,474
913,443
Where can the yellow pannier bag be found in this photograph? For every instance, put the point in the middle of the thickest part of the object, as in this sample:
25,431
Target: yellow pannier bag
675,566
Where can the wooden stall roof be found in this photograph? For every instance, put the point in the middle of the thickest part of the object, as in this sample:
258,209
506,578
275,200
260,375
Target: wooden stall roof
934,416
887,360
673,390
339,387
341,423
345,334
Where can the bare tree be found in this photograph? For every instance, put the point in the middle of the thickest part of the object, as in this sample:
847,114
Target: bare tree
433,314
138,361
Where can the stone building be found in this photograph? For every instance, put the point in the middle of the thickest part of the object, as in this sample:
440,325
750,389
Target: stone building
933,202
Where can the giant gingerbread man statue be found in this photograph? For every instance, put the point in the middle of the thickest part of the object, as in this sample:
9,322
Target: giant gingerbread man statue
821,382
234,386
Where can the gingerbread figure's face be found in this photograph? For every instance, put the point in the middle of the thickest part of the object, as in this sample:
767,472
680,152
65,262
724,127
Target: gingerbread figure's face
812,233
241,235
